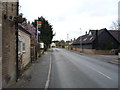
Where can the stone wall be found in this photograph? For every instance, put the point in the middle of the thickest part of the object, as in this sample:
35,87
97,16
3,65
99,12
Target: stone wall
8,44
26,54
0,45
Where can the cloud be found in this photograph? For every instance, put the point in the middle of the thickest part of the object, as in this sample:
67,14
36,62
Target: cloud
68,16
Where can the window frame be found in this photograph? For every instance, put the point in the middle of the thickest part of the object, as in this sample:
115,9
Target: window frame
21,45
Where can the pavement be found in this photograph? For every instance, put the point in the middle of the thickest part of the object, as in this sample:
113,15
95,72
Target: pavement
36,75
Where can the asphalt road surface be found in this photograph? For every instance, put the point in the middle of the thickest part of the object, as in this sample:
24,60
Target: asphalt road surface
72,70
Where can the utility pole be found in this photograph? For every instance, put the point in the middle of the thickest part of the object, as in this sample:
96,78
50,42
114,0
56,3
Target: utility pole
39,23
37,40
67,37
37,31
81,40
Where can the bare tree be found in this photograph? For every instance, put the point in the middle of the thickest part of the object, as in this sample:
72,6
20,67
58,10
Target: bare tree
115,25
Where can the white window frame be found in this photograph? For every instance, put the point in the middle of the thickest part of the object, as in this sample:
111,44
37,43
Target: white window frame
85,39
21,45
91,38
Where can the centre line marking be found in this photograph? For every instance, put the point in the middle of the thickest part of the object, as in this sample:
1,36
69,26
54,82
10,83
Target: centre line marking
99,72
48,78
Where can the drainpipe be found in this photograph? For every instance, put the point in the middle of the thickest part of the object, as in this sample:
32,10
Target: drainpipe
96,39
96,42
119,47
81,42
17,69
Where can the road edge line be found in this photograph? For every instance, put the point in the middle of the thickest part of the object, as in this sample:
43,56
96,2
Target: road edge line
48,77
100,72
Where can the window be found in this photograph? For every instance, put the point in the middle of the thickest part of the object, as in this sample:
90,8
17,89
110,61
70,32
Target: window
85,39
23,45
80,39
91,38
19,46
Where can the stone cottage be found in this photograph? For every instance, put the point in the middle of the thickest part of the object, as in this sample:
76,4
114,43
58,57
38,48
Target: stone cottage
24,43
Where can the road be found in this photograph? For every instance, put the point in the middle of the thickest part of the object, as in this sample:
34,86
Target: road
72,70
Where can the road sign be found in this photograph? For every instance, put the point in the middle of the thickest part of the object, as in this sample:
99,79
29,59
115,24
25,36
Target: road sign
39,24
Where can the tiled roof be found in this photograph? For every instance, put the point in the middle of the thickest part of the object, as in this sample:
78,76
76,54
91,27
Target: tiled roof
88,38
115,34
84,39
23,29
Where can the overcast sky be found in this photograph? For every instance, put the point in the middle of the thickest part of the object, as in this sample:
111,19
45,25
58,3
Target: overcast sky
68,16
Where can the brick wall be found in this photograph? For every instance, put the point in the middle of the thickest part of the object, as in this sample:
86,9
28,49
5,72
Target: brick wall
9,45
93,51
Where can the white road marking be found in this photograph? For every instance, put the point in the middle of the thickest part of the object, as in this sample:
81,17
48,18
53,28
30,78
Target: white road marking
48,78
99,72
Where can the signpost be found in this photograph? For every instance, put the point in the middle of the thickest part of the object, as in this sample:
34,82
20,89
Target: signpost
39,24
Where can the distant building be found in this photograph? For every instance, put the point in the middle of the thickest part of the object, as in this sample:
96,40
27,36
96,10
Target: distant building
97,41
53,45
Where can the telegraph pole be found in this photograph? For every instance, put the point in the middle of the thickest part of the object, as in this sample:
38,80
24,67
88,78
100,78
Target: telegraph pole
67,37
81,40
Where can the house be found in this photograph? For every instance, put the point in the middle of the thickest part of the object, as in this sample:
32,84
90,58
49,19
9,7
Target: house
9,74
24,45
116,35
97,42
32,30
53,45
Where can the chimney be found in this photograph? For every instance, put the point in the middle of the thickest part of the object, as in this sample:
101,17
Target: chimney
74,39
28,22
